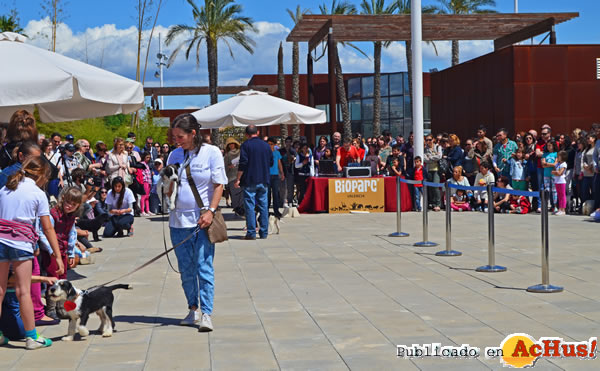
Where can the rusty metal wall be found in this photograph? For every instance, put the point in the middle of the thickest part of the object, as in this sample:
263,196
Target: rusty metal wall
519,88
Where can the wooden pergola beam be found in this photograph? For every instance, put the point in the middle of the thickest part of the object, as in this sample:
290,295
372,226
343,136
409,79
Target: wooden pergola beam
525,33
319,36
203,90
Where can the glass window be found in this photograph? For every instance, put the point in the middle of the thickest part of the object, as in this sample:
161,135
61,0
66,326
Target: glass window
367,129
407,106
367,109
408,127
384,85
396,107
396,127
355,111
406,89
354,88
427,108
396,84
367,86
385,108
384,125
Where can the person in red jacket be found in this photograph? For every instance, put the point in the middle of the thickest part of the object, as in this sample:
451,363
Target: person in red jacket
418,175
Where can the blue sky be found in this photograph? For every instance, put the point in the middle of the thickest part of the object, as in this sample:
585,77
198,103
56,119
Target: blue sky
101,33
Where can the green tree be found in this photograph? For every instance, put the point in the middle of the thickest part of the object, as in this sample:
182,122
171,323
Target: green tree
463,7
342,8
375,7
217,20
8,23
296,17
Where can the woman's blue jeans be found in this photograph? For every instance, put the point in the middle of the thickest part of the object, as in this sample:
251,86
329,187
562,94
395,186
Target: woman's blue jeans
195,260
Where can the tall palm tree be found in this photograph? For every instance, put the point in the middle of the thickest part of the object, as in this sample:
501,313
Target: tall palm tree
296,17
217,20
281,84
403,7
463,7
341,8
8,23
374,7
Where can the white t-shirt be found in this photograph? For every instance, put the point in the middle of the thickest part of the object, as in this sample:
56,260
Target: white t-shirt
25,204
128,200
560,179
207,168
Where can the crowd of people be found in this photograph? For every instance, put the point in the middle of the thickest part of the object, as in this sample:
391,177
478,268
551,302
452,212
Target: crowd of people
57,193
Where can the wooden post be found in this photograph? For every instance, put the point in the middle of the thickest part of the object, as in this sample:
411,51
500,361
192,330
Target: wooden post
552,36
331,80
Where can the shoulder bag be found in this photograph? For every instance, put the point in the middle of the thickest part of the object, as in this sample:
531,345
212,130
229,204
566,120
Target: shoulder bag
217,230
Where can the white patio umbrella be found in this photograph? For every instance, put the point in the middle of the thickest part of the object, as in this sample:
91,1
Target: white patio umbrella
62,88
258,108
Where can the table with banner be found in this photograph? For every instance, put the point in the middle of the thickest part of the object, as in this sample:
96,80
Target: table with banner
353,194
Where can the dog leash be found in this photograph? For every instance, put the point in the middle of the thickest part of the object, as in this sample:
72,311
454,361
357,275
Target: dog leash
196,230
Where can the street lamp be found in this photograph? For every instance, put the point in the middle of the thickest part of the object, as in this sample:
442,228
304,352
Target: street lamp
162,61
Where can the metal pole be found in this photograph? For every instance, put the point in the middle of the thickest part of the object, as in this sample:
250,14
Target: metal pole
417,76
160,62
545,286
448,251
491,267
398,232
425,242
516,6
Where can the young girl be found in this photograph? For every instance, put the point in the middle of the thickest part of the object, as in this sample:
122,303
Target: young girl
22,202
145,178
120,201
548,162
374,159
517,170
63,220
459,201
396,170
560,181
483,178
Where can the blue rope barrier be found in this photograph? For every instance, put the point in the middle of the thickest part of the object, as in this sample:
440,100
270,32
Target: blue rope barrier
409,181
515,192
436,185
466,188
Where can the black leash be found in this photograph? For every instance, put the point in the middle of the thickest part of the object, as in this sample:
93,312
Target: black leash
163,205
166,252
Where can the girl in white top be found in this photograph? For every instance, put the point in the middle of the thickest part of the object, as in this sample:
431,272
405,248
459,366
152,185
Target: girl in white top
119,202
195,256
560,181
22,202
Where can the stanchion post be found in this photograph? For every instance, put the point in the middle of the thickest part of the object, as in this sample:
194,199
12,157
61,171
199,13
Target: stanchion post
425,242
491,267
398,232
545,286
448,251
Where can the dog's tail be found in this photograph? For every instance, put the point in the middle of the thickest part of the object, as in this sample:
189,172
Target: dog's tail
119,286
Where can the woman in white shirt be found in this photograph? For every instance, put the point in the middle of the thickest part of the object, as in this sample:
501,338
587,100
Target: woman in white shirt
195,256
119,202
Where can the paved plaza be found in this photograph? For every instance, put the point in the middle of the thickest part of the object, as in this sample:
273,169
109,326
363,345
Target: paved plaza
333,292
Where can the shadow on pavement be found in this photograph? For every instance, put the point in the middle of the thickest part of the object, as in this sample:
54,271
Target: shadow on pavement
152,320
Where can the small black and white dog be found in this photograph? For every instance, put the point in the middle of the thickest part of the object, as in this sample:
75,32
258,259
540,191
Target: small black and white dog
168,177
97,299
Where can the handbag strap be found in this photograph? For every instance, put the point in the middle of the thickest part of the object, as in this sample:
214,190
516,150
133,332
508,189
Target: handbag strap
192,184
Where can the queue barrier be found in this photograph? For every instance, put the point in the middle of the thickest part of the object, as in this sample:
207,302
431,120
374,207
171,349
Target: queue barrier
544,287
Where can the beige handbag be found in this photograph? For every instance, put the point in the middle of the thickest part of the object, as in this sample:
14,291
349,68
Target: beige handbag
217,230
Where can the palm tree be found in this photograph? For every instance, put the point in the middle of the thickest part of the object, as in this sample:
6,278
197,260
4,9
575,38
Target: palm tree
463,7
8,23
281,84
403,7
296,17
341,8
217,20
374,7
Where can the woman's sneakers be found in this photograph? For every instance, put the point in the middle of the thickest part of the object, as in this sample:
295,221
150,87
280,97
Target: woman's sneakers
39,342
192,318
205,323
3,339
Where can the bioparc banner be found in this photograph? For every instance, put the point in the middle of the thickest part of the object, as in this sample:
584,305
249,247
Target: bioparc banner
361,194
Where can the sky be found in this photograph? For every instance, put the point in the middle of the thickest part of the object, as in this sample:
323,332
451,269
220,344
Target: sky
102,33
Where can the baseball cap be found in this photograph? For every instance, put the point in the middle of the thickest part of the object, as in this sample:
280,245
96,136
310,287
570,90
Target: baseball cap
158,160
70,147
69,137
130,140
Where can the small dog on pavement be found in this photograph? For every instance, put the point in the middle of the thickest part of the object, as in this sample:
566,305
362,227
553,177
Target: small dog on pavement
274,224
80,304
168,177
